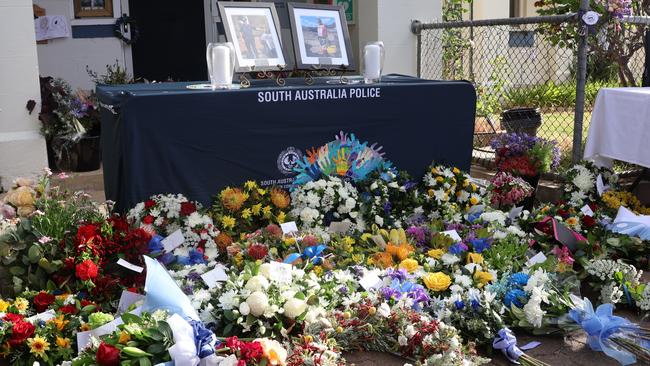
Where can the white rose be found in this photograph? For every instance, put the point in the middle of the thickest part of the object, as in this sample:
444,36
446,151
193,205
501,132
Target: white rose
403,341
244,309
257,302
294,307
265,270
257,283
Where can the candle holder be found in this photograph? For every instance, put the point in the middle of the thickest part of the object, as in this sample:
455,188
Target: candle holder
221,64
373,62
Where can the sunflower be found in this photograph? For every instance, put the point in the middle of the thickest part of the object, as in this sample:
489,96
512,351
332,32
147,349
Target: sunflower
232,198
280,198
38,346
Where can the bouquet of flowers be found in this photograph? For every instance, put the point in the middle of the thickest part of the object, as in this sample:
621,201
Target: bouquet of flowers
525,155
506,191
448,192
245,209
41,327
318,203
580,187
617,282
164,214
390,199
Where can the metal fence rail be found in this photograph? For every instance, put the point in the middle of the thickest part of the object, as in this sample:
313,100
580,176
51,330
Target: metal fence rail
512,63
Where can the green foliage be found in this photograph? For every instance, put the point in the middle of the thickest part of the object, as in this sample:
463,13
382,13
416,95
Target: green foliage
488,100
508,256
552,95
115,74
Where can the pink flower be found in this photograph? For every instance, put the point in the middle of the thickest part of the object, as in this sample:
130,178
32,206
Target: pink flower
44,240
563,255
63,175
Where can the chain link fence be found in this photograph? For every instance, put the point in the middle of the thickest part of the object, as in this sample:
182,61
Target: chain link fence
513,64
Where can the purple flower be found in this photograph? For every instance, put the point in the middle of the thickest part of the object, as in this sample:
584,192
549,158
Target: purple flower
399,274
420,234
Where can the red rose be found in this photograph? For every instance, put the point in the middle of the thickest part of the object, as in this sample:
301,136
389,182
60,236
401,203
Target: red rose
42,301
258,251
86,270
148,219
588,221
149,203
20,332
187,208
86,232
68,309
11,317
107,355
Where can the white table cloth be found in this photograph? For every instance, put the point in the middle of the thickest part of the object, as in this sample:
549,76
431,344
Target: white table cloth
620,127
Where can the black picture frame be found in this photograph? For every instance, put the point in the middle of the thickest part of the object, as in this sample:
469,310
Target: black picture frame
244,64
306,59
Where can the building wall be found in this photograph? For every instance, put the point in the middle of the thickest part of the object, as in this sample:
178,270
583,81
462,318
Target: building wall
67,58
22,148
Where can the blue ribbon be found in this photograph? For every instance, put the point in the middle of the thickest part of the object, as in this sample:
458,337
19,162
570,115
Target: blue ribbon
600,325
204,339
155,244
507,343
312,253
631,229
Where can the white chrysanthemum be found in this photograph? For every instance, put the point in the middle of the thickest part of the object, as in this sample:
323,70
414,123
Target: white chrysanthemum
257,283
228,300
258,302
584,180
533,311
294,307
449,259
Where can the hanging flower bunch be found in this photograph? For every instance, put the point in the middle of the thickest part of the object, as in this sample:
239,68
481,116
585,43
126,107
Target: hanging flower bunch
525,155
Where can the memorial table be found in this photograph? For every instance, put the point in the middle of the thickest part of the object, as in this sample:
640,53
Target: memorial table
166,138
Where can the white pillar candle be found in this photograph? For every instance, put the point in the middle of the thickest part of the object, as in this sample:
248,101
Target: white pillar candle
372,62
221,66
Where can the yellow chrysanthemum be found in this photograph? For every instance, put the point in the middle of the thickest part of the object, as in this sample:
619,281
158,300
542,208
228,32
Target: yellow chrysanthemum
434,171
246,213
474,200
456,170
435,253
357,258
38,346
3,306
281,217
348,240
289,241
440,179
318,270
21,304
239,259
261,191
63,342
227,222
266,211
366,236
256,209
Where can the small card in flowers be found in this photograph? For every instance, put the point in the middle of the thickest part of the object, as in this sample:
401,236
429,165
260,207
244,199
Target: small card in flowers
173,241
289,227
340,227
127,299
600,186
514,212
370,281
586,210
44,316
537,258
453,234
129,265
215,275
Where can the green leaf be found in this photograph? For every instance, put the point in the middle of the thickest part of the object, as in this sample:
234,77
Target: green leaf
155,334
299,295
128,318
144,361
88,308
227,329
35,253
17,270
229,315
156,348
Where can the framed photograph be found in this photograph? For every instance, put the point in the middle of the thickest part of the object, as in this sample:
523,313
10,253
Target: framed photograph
93,8
320,36
254,30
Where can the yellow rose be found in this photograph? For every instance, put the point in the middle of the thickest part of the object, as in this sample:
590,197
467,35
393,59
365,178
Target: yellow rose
3,306
435,253
409,264
572,221
437,281
474,258
483,277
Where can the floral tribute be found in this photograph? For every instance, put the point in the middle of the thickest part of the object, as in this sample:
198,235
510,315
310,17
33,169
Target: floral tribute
431,269
525,155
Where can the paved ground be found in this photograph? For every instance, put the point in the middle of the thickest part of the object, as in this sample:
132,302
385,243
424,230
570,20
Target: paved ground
554,350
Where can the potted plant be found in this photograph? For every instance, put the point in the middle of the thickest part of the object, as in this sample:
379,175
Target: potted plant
70,124
525,156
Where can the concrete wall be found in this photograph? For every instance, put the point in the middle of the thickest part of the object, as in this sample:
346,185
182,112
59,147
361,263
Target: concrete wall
22,148
67,57
390,21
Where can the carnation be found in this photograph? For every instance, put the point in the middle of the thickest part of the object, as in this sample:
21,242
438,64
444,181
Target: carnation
294,307
257,283
258,303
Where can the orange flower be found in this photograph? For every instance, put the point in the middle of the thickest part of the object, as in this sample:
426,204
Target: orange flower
232,198
223,240
383,259
280,198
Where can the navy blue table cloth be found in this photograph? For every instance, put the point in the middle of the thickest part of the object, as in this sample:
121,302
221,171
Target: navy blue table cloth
166,138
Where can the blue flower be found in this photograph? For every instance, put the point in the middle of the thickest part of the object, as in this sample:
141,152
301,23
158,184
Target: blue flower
475,305
480,244
515,296
519,279
459,304
457,248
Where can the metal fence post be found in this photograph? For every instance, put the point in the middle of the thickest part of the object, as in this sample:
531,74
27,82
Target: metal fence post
416,28
581,81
